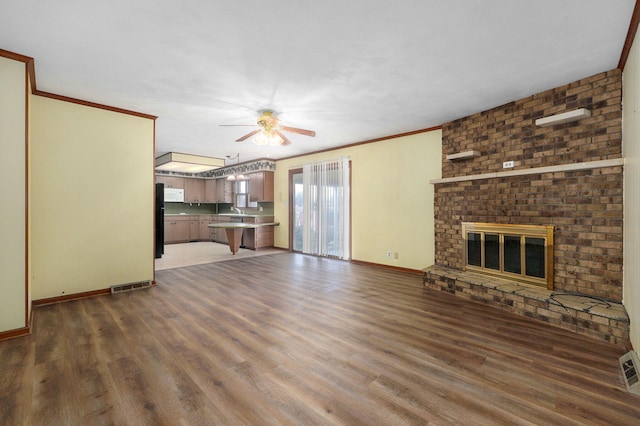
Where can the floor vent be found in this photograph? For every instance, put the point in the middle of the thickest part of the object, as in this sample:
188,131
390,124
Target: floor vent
131,286
630,371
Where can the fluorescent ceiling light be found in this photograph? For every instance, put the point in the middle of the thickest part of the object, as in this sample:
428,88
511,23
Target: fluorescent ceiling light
187,163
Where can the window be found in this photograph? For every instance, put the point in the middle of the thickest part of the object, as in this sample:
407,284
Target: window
242,193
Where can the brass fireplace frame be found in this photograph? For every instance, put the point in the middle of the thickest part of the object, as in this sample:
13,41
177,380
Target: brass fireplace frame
522,231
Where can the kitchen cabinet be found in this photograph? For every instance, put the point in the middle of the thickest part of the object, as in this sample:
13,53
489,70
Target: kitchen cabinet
194,228
168,231
219,233
193,190
258,238
177,229
221,236
206,233
224,191
214,231
185,228
170,181
261,186
210,191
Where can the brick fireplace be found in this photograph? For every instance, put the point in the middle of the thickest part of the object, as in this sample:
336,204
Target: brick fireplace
567,176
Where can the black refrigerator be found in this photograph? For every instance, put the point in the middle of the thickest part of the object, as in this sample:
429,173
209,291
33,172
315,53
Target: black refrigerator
159,220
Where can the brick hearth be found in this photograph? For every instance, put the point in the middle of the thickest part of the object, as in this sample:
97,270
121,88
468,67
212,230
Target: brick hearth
593,317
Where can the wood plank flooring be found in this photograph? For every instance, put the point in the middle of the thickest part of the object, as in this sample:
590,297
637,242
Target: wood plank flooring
299,340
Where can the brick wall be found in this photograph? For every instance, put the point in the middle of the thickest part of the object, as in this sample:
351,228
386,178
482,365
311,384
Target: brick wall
585,206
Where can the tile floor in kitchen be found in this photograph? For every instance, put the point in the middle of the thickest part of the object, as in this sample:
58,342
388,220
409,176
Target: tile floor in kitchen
197,253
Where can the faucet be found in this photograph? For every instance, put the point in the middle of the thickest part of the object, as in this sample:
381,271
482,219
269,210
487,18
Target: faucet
238,210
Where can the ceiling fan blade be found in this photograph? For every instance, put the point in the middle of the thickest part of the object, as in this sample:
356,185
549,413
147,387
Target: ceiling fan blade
299,131
285,141
247,136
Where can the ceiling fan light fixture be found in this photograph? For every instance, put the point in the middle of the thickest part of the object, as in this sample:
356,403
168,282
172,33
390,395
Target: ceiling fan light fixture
261,139
267,138
276,140
269,131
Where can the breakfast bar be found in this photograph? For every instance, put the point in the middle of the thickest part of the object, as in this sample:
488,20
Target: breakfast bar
234,231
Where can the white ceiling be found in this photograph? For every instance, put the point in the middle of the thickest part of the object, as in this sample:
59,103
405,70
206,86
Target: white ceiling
350,70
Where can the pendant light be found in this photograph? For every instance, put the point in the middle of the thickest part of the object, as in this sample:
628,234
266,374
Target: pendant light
235,176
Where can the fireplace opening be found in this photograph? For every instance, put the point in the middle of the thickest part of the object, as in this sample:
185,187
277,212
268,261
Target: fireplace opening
521,252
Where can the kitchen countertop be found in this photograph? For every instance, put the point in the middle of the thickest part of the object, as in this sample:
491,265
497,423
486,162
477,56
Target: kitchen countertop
244,215
219,214
234,231
242,225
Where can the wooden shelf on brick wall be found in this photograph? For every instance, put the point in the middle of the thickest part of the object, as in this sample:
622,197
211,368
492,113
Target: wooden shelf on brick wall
565,117
463,155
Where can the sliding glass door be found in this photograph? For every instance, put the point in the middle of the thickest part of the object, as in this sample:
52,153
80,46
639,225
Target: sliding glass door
320,209
295,213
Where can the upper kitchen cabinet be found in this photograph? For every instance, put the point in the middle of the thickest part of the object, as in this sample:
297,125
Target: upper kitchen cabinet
171,181
193,190
210,191
261,186
224,191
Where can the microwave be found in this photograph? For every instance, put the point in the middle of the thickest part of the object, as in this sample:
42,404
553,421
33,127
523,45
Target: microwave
173,195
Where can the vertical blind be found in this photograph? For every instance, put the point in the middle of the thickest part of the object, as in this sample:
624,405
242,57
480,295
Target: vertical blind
326,208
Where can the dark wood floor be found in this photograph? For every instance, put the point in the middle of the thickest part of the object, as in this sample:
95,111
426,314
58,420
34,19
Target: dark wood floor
294,339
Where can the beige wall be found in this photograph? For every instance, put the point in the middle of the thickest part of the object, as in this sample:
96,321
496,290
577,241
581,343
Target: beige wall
631,151
92,198
12,186
392,199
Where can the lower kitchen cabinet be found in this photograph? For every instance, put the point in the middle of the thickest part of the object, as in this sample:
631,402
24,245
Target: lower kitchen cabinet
204,232
215,232
185,228
177,229
194,228
182,229
257,238
220,233
221,236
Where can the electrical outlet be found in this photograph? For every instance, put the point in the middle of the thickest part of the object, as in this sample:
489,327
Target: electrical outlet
388,254
508,164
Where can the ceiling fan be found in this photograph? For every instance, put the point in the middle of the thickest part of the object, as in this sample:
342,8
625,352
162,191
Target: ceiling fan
270,130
